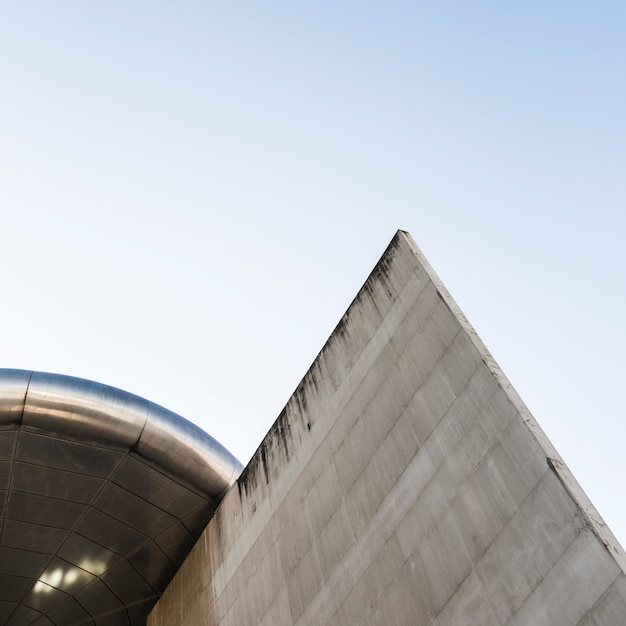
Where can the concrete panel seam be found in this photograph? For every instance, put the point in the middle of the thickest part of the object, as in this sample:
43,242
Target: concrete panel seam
550,572
494,540
603,532
595,522
369,536
412,501
335,406
599,601
601,529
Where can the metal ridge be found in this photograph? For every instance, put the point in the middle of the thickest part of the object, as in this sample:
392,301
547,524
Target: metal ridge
93,413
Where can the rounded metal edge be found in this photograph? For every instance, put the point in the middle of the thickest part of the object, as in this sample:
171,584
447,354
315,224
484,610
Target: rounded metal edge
13,388
170,440
89,412
84,410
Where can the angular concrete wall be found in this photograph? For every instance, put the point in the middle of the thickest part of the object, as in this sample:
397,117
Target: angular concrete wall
404,483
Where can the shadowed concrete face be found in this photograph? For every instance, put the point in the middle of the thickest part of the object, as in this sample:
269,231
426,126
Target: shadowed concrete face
102,494
405,482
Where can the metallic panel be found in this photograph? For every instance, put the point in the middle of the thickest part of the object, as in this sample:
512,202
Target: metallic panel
154,566
23,616
6,608
22,562
7,444
133,510
43,597
110,532
97,598
136,612
119,618
171,540
68,612
46,481
32,536
194,522
64,576
88,555
13,588
26,507
127,584
102,495
5,474
143,480
67,455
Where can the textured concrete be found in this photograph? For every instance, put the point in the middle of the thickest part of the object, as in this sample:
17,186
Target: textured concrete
404,483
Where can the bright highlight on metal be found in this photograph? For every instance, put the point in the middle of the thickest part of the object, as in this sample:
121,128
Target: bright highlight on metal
102,495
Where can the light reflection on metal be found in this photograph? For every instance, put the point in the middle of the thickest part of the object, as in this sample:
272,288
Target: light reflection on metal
104,492
53,579
41,587
64,578
95,567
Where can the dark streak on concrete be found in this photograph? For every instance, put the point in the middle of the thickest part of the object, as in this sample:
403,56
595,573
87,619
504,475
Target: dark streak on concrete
279,440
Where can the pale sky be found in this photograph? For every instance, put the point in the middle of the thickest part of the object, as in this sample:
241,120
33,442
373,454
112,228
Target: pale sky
192,193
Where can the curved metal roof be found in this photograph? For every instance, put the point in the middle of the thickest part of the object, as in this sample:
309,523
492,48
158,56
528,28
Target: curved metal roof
102,495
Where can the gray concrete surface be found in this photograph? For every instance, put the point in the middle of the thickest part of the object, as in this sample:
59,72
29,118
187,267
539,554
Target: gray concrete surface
405,482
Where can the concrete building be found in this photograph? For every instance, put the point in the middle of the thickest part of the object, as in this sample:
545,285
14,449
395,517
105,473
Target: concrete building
405,482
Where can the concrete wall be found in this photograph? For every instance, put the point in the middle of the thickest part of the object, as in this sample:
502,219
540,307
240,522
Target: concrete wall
404,483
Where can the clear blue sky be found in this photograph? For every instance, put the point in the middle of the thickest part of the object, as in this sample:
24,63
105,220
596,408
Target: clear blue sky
192,193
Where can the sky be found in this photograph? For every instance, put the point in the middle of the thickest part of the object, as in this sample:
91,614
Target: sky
192,193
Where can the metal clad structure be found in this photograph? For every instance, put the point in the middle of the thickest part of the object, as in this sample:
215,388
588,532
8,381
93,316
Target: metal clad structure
102,495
